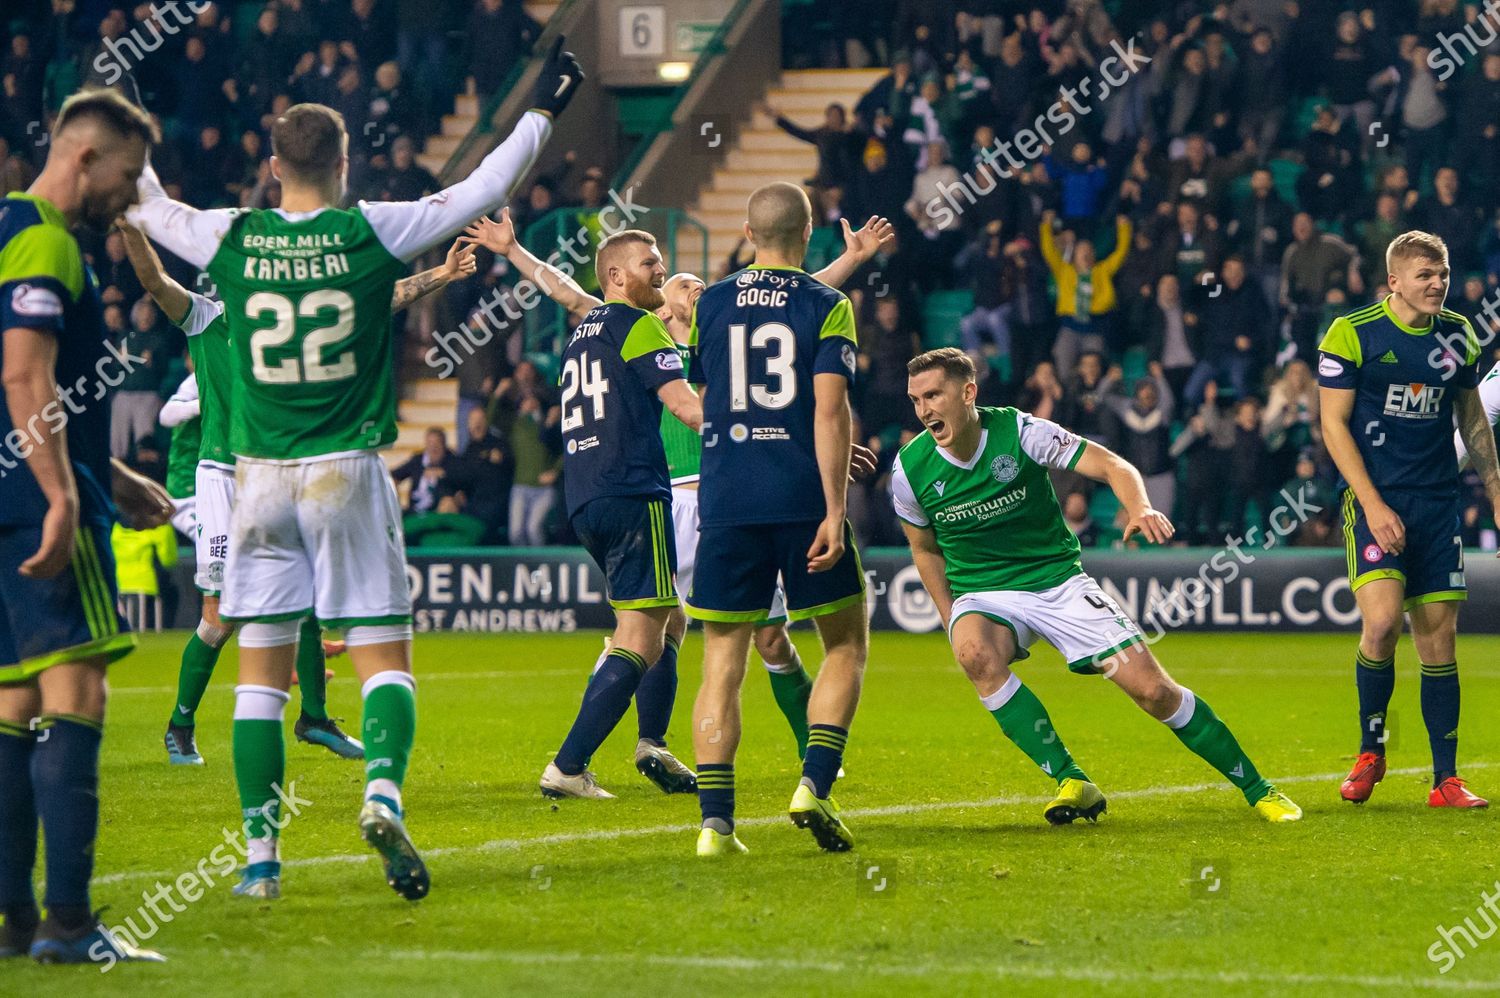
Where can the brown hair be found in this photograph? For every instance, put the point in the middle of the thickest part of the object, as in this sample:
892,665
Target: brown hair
308,140
1415,243
779,214
953,362
110,109
615,240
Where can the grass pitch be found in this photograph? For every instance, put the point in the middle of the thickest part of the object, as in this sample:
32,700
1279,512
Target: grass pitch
956,885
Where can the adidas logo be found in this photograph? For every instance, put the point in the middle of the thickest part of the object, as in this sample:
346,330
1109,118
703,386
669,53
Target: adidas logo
939,486
1389,357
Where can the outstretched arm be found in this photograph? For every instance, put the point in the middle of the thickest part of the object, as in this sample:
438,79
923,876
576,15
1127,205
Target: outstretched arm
188,232
500,238
172,298
408,229
1104,465
859,245
410,290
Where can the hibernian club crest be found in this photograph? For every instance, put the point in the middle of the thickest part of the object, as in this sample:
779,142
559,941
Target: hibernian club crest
1004,468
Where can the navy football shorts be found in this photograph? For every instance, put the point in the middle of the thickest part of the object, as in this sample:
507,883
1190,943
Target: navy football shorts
630,538
735,576
67,618
1431,565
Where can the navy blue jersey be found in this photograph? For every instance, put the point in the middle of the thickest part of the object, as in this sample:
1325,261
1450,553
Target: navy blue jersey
1404,380
612,367
45,285
759,338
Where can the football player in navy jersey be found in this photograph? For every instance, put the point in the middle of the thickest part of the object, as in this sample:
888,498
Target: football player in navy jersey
620,366
1392,378
775,350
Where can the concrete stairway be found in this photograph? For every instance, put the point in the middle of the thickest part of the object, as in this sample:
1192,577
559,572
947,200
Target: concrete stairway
765,153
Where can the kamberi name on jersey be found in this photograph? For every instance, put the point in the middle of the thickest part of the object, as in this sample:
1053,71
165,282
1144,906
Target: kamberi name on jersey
295,257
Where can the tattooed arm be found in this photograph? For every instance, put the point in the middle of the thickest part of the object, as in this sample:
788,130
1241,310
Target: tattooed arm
1479,439
410,290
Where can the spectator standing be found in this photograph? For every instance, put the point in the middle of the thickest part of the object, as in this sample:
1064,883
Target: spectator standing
1085,292
527,414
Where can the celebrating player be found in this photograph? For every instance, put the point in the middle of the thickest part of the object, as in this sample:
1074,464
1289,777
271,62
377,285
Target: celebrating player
621,367
775,349
1391,379
655,697
59,628
989,540
203,402
317,529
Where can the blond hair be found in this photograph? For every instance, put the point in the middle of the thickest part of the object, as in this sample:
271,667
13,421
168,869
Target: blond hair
1414,244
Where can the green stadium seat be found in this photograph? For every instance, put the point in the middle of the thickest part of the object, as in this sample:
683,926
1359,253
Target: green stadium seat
1284,174
940,317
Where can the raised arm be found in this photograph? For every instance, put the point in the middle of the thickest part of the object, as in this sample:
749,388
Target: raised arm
188,232
500,238
859,246
408,229
458,264
172,298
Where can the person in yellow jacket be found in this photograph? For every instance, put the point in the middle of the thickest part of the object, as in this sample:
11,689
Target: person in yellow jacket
137,553
1085,293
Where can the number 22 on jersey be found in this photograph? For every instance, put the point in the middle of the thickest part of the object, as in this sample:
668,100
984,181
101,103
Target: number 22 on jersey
311,366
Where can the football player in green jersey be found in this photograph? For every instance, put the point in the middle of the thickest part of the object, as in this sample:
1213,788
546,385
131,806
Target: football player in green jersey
655,697
307,292
1002,567
201,421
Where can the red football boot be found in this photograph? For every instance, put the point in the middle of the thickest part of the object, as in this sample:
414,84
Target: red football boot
1369,769
1452,793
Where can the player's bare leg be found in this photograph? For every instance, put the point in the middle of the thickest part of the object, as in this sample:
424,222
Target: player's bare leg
1434,628
716,732
830,710
985,649
199,657
1136,671
635,645
655,698
1380,613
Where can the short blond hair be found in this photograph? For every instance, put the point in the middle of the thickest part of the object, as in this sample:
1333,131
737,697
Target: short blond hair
779,214
1415,243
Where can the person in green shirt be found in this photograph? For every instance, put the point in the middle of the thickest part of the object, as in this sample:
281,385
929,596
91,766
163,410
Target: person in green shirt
1003,569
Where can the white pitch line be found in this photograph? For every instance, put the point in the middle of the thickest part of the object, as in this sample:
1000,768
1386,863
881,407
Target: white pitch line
891,810
999,971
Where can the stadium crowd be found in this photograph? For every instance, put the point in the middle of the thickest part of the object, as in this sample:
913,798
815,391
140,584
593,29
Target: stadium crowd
1155,277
